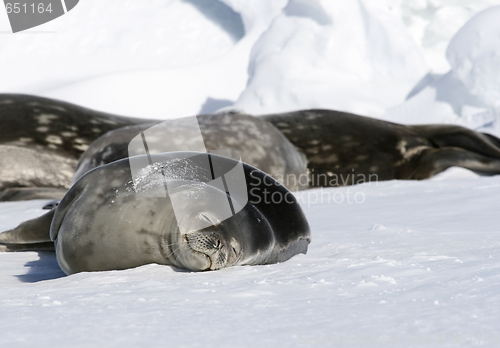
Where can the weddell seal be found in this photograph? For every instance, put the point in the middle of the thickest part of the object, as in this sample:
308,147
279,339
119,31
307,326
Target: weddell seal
41,141
345,149
251,139
185,209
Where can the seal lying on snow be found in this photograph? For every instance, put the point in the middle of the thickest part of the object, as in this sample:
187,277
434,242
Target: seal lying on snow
111,219
341,148
41,141
345,149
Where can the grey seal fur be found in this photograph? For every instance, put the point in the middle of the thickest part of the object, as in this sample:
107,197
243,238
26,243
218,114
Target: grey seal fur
345,149
41,141
103,224
250,138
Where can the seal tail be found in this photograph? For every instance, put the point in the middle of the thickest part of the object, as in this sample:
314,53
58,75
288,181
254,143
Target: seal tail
435,161
31,235
493,139
461,137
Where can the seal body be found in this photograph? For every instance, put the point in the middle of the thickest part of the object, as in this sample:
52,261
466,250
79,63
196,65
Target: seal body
252,139
108,219
345,149
41,141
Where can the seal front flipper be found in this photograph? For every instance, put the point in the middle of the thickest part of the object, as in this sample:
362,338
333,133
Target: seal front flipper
31,235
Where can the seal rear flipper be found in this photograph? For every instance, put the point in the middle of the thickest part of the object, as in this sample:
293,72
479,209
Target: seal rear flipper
493,139
461,137
435,161
29,234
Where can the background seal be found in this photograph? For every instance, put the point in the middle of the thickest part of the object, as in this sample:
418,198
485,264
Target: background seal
41,141
346,149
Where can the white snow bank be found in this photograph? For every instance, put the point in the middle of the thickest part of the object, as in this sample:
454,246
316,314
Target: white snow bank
344,55
103,37
162,93
410,260
432,23
438,99
470,93
144,59
186,90
488,121
474,55
181,57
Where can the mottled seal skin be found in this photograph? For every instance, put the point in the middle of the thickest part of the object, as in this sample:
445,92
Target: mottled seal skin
41,141
345,149
252,139
103,224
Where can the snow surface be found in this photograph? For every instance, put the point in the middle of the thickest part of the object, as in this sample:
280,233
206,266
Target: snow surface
408,260
398,259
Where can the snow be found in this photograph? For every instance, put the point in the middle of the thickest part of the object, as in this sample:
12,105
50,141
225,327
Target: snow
474,54
469,91
179,63
400,261
343,52
433,23
428,268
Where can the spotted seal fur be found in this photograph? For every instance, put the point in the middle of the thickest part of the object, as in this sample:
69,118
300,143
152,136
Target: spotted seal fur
345,149
41,141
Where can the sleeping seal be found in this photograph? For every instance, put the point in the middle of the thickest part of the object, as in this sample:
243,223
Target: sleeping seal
346,149
184,209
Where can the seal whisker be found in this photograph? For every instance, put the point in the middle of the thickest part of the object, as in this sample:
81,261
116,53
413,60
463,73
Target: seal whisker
173,251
